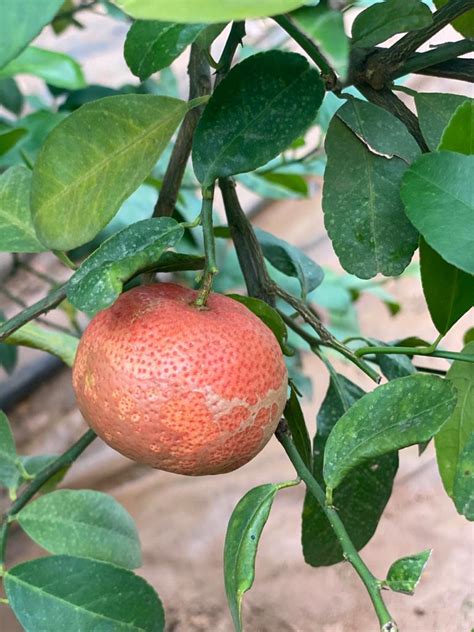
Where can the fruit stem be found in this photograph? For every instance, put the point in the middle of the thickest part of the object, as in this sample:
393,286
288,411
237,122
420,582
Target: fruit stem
210,268
350,552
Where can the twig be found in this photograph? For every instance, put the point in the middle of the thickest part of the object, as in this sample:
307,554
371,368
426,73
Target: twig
236,35
351,554
327,72
381,66
47,303
210,268
63,461
415,351
199,85
438,55
460,69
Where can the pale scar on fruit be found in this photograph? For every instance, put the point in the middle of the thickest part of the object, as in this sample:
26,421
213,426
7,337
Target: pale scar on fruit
181,389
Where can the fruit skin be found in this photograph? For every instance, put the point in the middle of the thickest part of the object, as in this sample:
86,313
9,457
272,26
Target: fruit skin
186,390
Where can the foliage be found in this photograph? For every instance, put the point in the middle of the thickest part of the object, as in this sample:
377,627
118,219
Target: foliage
81,168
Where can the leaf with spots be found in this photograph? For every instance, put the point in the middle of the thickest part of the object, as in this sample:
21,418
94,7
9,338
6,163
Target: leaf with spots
85,523
151,45
241,542
8,456
263,104
363,211
404,412
17,233
454,435
136,248
81,594
404,574
92,162
360,498
464,481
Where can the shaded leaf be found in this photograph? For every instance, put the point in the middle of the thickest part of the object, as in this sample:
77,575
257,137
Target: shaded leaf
459,133
262,105
449,291
8,455
404,574
463,490
361,497
9,137
279,188
81,594
10,96
453,436
403,412
269,316
205,10
57,69
438,196
17,233
468,336
363,211
241,542
295,418
80,176
99,280
84,523
151,46
381,21
435,110
291,261
22,21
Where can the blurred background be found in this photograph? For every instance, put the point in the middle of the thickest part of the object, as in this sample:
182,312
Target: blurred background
182,521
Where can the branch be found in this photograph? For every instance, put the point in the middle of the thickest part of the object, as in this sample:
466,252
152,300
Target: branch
460,69
328,74
199,85
63,461
438,55
381,66
50,301
351,554
236,35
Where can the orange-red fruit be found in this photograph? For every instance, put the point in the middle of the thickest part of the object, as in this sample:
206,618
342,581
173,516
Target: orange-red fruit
187,390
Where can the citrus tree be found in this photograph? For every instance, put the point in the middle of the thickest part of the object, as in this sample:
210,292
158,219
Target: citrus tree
397,179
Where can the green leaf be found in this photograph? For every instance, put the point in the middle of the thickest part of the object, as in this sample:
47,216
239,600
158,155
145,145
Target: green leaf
439,200
81,180
262,105
8,353
281,187
435,110
205,10
464,24
57,69
403,412
83,523
361,497
151,46
404,574
295,418
269,316
57,343
395,366
9,137
10,96
381,21
363,212
8,455
71,593
453,436
459,133
291,261
383,133
469,336
463,490
241,542
17,233
449,292
326,27
22,21
99,280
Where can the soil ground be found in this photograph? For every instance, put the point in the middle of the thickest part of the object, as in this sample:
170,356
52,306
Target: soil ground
182,521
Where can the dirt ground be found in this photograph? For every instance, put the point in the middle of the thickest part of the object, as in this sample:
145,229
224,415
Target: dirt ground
182,521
